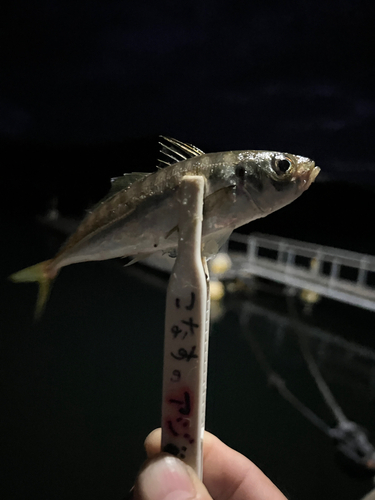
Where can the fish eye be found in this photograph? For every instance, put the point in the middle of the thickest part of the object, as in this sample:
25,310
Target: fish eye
240,172
282,165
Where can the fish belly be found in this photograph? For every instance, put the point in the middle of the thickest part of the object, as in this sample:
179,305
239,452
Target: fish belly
150,228
141,232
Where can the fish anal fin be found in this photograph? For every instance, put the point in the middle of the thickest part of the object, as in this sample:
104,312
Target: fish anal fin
170,232
139,257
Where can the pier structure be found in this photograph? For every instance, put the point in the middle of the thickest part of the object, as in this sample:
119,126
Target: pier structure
330,272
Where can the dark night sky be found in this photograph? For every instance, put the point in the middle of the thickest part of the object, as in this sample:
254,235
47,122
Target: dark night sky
296,76
86,87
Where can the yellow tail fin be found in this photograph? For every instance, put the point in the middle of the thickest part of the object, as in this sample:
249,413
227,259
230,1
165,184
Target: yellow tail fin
40,274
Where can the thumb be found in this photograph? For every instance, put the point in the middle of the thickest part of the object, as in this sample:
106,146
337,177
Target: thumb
165,477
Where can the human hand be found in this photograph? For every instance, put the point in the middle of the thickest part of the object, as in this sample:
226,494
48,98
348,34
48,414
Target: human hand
227,475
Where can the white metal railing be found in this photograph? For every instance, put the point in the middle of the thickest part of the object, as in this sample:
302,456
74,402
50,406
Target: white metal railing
319,260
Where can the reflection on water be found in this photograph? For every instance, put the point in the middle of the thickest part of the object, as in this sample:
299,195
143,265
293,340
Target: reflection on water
83,387
327,378
282,334
351,440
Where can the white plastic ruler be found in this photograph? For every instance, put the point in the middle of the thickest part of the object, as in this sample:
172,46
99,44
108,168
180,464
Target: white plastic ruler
186,334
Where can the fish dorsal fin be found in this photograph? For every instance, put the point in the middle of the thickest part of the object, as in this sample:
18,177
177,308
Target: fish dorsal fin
125,181
120,183
173,151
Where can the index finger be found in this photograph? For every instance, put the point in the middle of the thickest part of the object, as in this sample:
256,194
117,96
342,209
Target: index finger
227,474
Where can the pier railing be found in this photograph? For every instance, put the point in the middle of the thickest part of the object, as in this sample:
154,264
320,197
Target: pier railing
331,272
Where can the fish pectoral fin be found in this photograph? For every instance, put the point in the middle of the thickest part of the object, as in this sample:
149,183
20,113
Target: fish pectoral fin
137,258
174,151
170,232
216,199
214,242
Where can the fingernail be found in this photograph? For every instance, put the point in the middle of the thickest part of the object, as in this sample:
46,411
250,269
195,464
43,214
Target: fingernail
166,478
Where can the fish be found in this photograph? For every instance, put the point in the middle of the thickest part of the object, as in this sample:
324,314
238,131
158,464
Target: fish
139,216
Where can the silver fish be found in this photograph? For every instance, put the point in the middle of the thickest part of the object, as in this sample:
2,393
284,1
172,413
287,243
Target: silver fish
140,214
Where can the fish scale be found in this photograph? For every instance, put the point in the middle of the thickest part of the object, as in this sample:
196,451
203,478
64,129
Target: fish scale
139,215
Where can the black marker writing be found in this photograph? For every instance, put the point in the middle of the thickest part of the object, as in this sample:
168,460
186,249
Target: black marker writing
190,324
176,376
183,354
185,410
192,302
176,330
170,427
175,450
190,307
189,438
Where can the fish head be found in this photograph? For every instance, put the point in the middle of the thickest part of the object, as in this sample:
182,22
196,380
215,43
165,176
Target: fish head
303,170
272,180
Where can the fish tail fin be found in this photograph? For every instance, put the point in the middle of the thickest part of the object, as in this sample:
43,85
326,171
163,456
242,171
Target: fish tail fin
41,274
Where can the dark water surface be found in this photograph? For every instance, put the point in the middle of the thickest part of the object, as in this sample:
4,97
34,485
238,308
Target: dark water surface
82,388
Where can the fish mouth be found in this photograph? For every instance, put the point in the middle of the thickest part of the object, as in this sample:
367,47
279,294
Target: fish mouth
307,173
